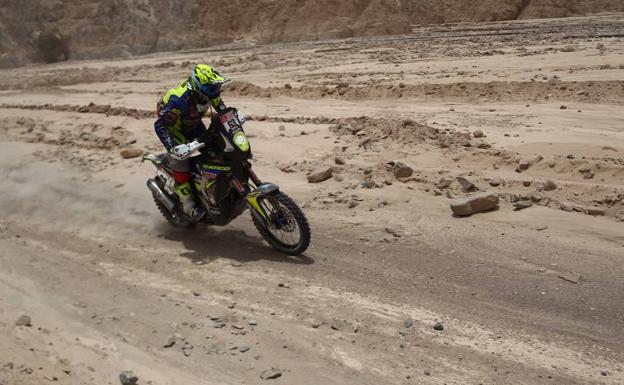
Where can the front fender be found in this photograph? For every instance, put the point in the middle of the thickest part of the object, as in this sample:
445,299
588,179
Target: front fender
252,199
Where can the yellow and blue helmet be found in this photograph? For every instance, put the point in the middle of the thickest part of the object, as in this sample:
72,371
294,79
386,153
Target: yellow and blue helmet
206,82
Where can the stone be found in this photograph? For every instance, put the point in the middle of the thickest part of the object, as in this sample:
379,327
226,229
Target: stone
596,211
196,293
466,185
495,182
438,326
474,204
549,185
619,216
128,378
478,134
339,160
522,204
444,183
408,323
271,374
570,277
24,320
320,175
170,342
402,170
131,153
252,322
244,349
51,46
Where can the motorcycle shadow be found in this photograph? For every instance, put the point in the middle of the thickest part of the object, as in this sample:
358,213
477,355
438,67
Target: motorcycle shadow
208,244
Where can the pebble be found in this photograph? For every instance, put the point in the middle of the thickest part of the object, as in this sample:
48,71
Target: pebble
253,322
408,323
438,326
244,349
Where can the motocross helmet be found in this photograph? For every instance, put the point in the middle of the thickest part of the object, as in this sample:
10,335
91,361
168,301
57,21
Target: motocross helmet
205,82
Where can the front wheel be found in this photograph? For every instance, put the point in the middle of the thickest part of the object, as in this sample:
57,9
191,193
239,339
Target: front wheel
288,230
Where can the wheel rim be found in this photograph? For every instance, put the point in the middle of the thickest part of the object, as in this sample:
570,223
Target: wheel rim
283,225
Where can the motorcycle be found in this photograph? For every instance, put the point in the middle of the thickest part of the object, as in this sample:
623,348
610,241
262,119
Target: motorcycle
225,185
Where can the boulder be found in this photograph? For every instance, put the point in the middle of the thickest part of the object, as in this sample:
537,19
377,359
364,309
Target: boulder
474,204
51,47
320,175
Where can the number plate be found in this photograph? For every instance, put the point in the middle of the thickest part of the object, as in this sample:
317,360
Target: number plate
230,122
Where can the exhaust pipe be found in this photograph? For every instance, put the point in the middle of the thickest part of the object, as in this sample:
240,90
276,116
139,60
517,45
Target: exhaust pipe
160,194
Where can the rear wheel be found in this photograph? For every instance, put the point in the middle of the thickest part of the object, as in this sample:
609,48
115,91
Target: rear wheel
288,230
174,217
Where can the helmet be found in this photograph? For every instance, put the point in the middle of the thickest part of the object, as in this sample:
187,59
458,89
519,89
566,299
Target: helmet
206,82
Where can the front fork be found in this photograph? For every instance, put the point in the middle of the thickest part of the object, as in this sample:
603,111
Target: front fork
257,209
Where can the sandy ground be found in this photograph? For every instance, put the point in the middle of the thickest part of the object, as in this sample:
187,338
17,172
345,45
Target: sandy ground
525,297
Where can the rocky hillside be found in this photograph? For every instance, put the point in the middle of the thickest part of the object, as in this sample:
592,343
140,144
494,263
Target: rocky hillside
53,30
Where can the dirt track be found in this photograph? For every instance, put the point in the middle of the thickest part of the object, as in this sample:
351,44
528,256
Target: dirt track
85,253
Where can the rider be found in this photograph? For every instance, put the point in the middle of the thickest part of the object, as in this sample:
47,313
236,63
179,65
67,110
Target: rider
179,122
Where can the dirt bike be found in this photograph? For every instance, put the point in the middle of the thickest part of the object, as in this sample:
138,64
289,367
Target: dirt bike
225,185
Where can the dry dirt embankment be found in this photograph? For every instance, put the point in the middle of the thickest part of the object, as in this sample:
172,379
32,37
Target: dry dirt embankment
53,30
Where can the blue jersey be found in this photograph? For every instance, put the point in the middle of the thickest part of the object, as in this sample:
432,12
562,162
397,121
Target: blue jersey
180,116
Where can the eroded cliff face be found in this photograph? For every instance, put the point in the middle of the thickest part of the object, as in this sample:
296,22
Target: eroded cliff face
50,30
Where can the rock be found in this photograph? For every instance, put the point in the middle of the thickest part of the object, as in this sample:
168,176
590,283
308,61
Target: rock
526,183
402,170
131,153
368,184
619,216
466,185
281,128
339,161
495,182
408,323
522,204
24,320
196,293
320,175
244,349
474,204
438,326
444,183
187,348
285,285
170,342
570,277
51,46
604,372
478,134
128,378
549,185
563,107
394,232
271,374
252,322
524,164
596,211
